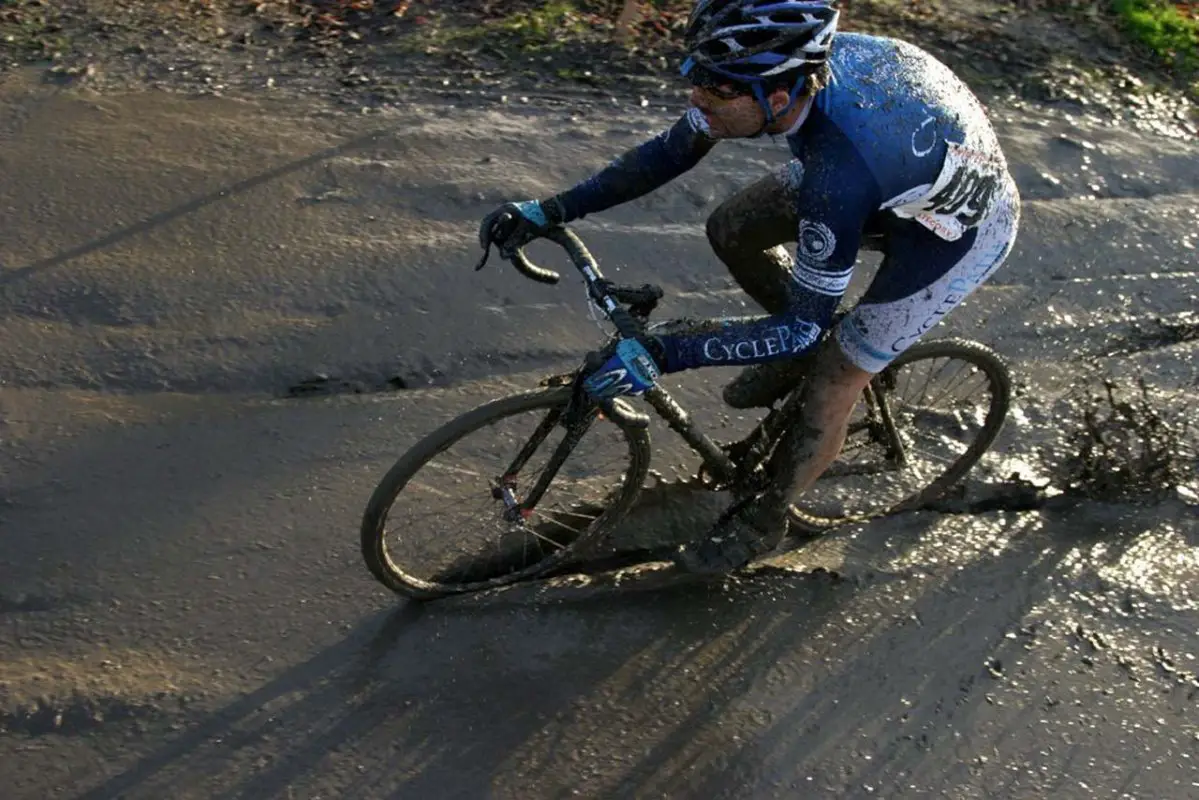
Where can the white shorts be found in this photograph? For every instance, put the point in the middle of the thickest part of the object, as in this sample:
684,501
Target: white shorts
923,278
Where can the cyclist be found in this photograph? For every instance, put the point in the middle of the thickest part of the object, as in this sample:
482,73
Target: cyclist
890,148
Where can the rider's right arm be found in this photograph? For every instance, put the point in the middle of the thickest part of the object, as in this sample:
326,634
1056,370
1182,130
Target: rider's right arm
640,170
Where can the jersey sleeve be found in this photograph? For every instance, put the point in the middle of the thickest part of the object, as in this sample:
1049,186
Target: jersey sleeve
640,170
835,193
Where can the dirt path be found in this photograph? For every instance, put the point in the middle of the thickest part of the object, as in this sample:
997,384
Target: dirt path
182,609
387,53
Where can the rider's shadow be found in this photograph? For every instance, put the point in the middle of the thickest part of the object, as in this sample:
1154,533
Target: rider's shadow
684,687
447,699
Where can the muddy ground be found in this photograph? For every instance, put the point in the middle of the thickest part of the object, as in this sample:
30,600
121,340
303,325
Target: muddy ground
183,611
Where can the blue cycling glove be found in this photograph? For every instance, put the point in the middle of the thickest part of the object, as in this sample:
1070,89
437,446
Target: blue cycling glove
529,220
631,370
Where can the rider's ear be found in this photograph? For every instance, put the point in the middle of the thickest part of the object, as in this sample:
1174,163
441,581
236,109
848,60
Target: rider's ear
778,99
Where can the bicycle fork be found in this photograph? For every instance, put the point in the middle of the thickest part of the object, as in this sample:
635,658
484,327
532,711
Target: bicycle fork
516,509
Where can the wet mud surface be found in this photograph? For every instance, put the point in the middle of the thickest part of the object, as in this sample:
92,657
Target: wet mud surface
225,319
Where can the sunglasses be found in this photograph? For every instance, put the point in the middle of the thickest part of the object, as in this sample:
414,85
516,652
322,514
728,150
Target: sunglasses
716,85
723,92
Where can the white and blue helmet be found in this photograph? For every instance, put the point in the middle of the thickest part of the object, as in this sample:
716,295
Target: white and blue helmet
753,41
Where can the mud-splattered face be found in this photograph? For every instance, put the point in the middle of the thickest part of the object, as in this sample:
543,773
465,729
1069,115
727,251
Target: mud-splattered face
731,113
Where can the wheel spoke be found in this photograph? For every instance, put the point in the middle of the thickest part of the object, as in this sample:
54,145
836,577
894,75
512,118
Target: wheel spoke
927,380
569,513
448,532
545,537
952,387
946,397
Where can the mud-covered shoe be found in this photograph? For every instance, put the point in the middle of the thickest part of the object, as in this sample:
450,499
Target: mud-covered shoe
761,385
734,541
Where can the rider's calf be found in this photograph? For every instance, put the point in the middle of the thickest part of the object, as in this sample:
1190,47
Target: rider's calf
806,450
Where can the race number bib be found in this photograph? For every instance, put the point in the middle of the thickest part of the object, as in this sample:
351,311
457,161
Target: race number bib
963,195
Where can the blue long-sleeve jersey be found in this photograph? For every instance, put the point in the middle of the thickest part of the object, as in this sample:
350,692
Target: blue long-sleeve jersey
894,133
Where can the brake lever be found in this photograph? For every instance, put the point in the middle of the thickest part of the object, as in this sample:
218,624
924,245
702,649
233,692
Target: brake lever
483,260
504,254
503,219
625,415
615,408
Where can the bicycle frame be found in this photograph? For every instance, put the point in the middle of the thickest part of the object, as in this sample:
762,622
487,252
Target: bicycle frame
738,466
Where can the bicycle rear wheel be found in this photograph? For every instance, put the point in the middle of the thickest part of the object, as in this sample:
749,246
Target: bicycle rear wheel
452,515
946,401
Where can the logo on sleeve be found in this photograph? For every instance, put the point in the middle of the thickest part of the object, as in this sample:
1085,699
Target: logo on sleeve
816,241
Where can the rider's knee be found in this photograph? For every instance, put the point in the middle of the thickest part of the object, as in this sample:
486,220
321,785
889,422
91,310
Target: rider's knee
837,366
719,229
727,236
836,381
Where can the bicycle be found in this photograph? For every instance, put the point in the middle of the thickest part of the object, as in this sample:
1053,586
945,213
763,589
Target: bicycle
540,536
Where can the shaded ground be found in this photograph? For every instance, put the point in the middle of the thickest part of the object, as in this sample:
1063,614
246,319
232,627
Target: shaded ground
183,611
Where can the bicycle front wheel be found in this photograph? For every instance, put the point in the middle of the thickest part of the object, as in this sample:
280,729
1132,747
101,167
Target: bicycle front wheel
504,493
921,425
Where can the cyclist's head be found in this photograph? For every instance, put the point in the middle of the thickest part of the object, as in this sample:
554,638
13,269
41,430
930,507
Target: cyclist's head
755,47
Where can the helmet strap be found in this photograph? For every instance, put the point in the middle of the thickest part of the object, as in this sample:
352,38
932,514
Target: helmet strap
764,102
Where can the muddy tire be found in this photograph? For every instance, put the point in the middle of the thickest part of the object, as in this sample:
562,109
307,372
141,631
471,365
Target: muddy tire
442,487
942,443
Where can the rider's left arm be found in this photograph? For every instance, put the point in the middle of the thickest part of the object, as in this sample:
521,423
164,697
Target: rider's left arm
836,196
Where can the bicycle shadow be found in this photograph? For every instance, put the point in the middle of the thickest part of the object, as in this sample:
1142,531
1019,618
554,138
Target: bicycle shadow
439,720
707,688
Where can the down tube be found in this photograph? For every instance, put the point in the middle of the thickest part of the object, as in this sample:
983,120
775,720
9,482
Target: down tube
682,424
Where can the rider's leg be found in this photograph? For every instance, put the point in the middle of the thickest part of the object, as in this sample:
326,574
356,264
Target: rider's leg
922,278
805,451
747,232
